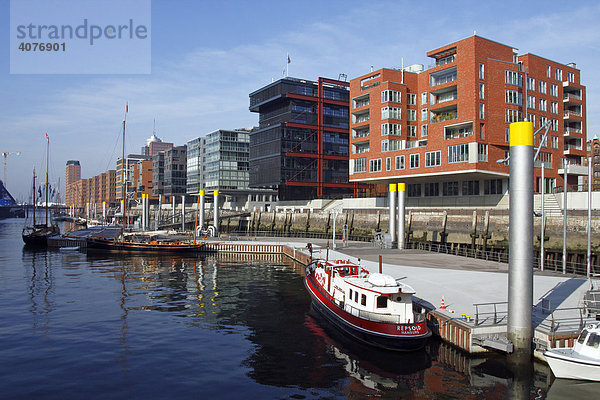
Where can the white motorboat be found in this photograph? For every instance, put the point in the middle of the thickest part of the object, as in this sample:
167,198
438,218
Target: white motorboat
582,361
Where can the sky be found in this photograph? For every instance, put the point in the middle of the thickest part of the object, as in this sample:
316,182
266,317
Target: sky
207,56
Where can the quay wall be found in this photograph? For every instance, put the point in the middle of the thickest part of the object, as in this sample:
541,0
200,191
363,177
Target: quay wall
481,229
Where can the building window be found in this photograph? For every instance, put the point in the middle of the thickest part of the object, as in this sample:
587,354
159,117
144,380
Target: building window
413,190
513,78
481,131
424,98
388,163
554,107
481,71
414,161
458,153
375,165
360,165
570,76
548,71
531,102
543,121
450,188
481,91
433,158
513,97
412,131
424,114
399,162
531,118
558,74
554,124
392,96
482,152
530,83
412,99
423,130
391,113
543,105
554,90
470,188
391,129
411,115
513,116
385,145
481,111
432,189
554,142
542,85
492,186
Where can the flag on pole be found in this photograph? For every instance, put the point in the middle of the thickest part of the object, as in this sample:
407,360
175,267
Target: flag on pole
47,138
126,107
288,59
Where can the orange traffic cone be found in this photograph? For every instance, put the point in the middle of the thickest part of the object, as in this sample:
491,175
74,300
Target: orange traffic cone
443,306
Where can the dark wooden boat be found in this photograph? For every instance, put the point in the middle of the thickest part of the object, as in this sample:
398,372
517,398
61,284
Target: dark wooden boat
37,234
139,246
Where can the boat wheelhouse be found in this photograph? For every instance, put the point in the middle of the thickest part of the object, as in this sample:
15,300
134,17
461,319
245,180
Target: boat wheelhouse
373,308
582,361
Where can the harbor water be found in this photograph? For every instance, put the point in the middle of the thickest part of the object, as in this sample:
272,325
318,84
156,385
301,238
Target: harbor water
77,325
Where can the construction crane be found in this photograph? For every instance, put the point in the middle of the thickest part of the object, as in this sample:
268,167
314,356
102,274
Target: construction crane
6,154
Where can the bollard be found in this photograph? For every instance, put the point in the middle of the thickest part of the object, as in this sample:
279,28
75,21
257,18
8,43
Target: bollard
392,204
201,211
216,212
183,213
401,215
520,264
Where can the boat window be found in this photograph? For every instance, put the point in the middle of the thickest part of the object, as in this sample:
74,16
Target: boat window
399,298
356,297
350,294
363,299
594,340
582,336
382,302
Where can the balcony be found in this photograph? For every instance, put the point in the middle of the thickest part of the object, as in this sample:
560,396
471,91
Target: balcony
458,131
573,149
443,77
572,115
360,147
362,116
444,114
572,132
360,101
571,97
574,169
444,95
360,133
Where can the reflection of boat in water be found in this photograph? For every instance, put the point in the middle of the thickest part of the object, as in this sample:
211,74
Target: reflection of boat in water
582,361
373,308
374,368
571,389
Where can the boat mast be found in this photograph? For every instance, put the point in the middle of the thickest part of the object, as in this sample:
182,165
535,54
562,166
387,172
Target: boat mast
47,147
34,197
123,179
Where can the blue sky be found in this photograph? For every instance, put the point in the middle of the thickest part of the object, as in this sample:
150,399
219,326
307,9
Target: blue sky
207,56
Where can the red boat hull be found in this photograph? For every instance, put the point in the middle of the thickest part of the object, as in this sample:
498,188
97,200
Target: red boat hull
397,337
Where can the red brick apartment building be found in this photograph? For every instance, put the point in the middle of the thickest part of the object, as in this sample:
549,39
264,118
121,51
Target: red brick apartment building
441,130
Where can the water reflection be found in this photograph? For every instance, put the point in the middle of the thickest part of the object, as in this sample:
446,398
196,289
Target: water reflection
40,289
222,321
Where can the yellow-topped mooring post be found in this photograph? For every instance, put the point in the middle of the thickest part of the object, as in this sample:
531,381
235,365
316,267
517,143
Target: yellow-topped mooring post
401,215
392,203
201,211
216,212
520,262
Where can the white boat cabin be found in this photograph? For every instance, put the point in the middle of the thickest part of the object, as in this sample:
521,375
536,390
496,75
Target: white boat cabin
372,296
588,343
